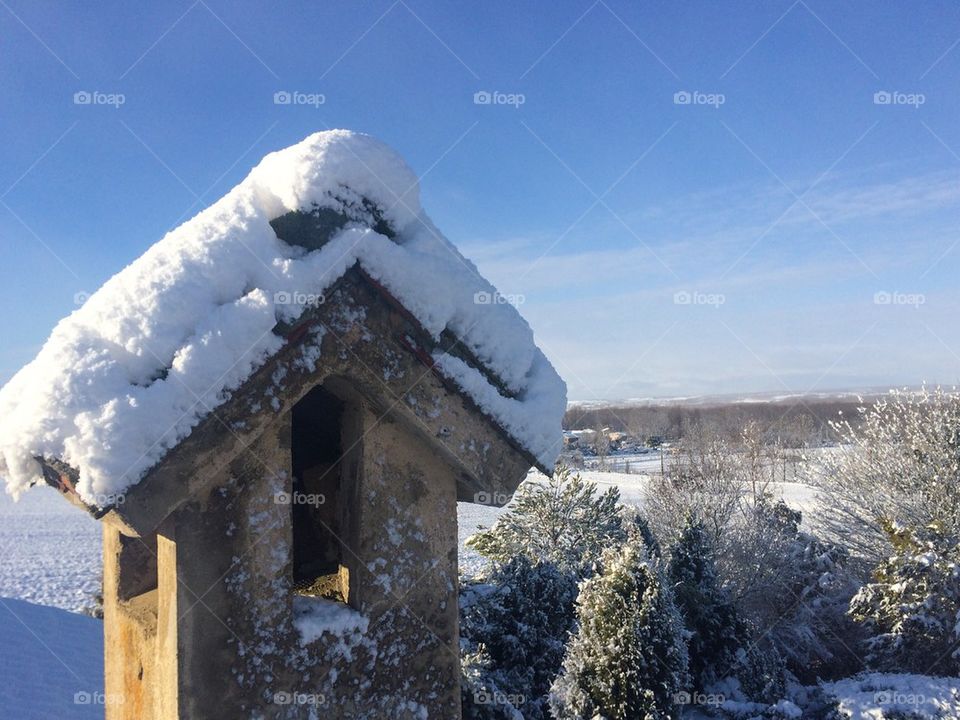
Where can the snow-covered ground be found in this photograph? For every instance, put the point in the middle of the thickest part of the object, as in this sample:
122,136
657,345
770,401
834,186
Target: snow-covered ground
877,695
51,666
51,660
49,551
51,663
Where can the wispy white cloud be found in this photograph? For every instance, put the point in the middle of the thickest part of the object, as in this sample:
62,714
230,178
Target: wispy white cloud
794,309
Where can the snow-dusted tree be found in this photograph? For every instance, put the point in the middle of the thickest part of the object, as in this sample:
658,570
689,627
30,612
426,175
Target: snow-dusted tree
628,658
761,671
716,633
785,582
600,444
516,625
796,589
900,465
480,696
912,609
563,520
636,522
706,477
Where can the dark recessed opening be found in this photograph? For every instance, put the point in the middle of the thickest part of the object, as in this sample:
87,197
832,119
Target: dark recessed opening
318,563
137,577
138,566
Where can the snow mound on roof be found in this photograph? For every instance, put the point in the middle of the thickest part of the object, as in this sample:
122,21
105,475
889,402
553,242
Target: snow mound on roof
128,375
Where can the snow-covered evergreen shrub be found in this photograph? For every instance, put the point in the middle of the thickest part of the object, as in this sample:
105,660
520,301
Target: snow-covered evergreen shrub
628,658
481,698
900,465
761,672
912,609
789,587
798,596
515,626
636,523
716,632
778,576
791,701
563,520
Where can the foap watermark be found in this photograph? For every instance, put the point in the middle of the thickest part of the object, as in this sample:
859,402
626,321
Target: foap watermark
295,97
895,97
486,97
884,297
699,698
95,97
694,297
284,297
695,97
299,498
81,297
496,298
491,498
97,697
892,697
298,698
487,697
104,500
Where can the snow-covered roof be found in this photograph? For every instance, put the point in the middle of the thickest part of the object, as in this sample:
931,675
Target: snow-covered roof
128,375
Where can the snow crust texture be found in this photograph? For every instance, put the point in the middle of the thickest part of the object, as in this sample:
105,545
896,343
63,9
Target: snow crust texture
315,616
128,375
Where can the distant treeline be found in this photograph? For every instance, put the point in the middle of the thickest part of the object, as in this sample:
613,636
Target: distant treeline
792,422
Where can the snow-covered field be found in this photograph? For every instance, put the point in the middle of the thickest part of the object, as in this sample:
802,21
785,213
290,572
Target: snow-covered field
49,551
51,663
51,660
877,695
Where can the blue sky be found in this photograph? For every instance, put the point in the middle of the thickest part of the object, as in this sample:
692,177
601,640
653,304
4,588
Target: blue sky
786,230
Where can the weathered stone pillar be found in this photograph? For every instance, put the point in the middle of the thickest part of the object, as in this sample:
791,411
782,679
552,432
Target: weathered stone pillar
132,665
407,543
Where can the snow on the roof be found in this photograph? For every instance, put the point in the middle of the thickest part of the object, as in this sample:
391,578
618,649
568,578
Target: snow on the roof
128,375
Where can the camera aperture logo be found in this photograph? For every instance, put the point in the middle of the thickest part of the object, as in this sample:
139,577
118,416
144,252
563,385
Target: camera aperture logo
695,97
95,97
295,97
97,697
694,297
487,697
495,298
295,297
895,97
699,698
486,97
298,698
884,297
497,499
894,697
299,498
